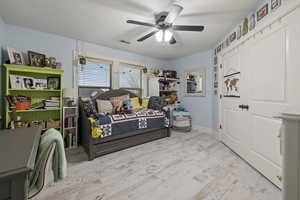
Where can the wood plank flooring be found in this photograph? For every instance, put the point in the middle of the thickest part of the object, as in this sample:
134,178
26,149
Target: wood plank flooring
186,166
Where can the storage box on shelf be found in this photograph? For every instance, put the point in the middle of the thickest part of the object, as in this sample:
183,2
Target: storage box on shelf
32,112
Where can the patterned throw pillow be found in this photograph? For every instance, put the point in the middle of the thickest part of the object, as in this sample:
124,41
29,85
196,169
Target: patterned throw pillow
156,103
135,102
117,103
89,108
145,103
104,106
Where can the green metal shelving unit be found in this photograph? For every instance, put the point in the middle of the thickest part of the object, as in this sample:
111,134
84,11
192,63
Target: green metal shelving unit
37,95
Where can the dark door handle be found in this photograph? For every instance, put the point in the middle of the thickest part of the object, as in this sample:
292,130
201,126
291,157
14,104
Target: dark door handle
246,107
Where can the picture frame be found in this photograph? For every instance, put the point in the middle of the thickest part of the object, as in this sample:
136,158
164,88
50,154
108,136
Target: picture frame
195,82
275,4
15,56
36,59
252,22
16,81
215,60
232,37
219,49
53,83
40,84
262,12
28,82
239,32
245,27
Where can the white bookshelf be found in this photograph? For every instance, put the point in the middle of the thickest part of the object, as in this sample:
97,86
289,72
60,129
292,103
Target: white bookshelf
70,127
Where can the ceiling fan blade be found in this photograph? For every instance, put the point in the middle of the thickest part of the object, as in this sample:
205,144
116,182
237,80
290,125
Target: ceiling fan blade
173,40
140,23
174,13
147,36
188,28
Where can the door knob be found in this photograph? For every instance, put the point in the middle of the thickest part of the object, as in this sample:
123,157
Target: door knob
241,106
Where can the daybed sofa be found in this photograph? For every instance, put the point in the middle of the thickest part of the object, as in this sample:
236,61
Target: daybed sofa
120,131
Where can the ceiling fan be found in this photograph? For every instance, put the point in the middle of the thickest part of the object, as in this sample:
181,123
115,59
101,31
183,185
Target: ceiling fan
164,26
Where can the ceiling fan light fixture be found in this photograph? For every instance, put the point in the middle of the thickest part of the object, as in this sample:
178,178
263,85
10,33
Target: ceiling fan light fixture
168,35
163,35
159,36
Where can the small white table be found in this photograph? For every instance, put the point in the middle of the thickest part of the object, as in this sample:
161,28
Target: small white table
291,154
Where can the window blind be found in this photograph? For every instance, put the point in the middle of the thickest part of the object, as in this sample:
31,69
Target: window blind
94,74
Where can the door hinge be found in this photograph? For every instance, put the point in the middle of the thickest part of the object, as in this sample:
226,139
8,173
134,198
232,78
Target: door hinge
220,126
221,96
221,66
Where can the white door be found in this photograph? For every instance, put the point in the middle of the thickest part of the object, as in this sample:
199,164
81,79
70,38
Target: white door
267,98
234,117
253,132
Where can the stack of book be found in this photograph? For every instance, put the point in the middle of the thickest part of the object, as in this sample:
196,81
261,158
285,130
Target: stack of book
70,122
51,104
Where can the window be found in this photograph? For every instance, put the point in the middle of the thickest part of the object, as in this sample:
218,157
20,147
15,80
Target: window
130,77
95,73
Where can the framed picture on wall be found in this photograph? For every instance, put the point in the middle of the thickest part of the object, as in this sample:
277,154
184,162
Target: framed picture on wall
233,37
264,11
252,22
15,56
36,59
275,4
53,83
245,26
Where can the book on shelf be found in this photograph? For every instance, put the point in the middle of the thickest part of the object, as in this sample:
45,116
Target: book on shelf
52,104
70,122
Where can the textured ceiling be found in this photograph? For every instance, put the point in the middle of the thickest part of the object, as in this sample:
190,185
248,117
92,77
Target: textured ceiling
104,21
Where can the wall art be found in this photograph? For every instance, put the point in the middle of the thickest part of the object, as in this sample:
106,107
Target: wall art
239,32
264,11
252,22
232,37
15,56
219,49
36,59
227,42
275,4
231,86
245,26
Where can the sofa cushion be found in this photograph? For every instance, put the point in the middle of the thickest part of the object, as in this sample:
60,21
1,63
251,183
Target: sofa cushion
117,102
156,103
104,106
135,102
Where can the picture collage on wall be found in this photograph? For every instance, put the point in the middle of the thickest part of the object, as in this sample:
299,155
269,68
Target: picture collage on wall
249,23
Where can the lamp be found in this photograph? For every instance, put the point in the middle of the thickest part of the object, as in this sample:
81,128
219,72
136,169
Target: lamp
163,35
69,92
69,97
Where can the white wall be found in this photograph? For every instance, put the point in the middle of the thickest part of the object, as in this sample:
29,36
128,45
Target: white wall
200,107
62,49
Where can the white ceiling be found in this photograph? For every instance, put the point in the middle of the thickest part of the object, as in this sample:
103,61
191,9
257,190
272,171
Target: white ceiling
104,21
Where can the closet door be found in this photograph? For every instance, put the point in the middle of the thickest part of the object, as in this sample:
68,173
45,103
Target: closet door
267,80
234,117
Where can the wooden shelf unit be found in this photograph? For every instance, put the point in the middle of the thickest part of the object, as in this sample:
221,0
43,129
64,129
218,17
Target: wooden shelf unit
37,95
70,127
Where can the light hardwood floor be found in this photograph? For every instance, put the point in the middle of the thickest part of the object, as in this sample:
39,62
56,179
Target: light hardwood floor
186,166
